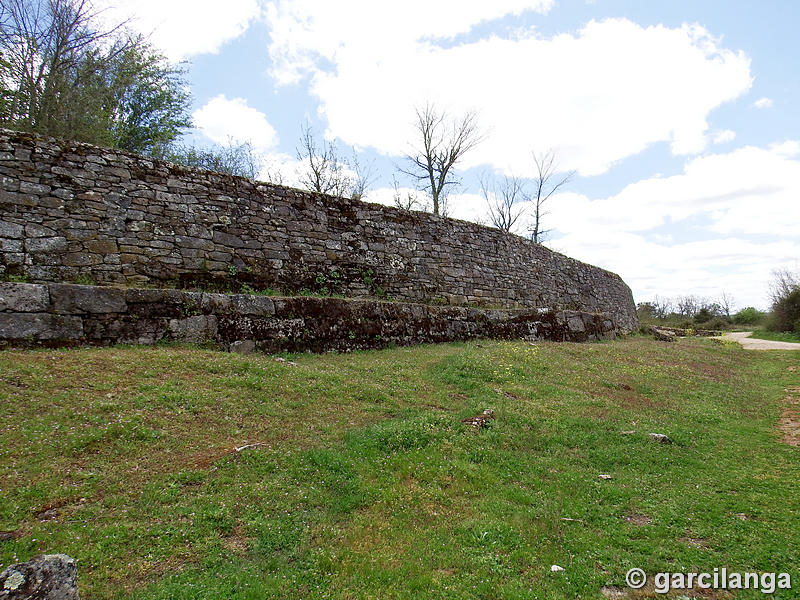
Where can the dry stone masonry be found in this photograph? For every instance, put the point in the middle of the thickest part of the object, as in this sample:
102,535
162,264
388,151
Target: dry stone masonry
68,314
73,212
76,212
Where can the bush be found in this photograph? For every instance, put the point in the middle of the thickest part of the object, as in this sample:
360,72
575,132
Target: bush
716,323
785,301
748,316
703,315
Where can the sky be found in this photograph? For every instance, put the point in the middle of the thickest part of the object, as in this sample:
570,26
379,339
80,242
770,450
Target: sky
679,118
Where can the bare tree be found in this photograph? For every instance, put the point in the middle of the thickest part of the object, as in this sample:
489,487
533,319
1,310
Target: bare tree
362,176
662,307
43,42
442,141
271,171
504,201
324,171
235,158
405,201
727,303
687,306
784,281
327,172
546,182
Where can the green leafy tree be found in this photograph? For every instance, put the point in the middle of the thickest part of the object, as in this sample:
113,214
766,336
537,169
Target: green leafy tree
62,75
149,104
748,316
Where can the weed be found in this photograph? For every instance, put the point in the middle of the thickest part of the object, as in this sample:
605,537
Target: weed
84,279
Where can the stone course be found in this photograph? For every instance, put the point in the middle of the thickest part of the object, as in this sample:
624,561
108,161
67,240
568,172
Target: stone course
55,314
76,212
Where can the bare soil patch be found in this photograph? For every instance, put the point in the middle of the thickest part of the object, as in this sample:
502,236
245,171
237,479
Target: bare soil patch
789,422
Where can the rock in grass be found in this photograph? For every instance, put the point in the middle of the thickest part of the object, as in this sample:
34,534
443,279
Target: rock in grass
480,420
45,577
660,437
243,347
662,335
556,569
613,593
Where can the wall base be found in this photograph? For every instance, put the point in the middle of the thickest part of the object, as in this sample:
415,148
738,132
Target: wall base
66,314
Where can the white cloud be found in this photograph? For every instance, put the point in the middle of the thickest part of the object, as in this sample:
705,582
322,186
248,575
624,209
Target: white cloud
786,149
704,268
722,137
280,168
304,31
597,96
763,103
222,118
749,191
184,28
730,202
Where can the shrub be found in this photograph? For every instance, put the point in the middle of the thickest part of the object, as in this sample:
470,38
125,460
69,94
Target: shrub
703,315
786,312
785,302
748,316
715,323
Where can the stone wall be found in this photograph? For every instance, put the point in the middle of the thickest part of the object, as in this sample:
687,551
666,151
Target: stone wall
58,314
76,212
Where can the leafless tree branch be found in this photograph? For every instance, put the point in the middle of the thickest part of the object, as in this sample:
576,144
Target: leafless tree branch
408,201
546,182
504,201
328,173
442,141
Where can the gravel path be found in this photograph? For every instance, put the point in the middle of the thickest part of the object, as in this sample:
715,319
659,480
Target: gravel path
743,337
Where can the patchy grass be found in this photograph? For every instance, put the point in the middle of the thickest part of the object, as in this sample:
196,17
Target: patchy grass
362,481
776,336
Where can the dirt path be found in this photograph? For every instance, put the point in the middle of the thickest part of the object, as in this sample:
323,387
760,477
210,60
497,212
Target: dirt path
743,337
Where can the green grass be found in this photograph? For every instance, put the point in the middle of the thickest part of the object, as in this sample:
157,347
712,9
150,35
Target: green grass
366,484
775,336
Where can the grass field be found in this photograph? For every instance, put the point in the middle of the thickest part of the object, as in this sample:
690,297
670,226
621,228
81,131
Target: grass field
763,334
362,481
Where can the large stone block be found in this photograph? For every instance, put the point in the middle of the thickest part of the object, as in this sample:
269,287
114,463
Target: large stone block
576,324
46,244
79,299
39,327
23,297
226,239
217,303
102,246
195,329
246,304
7,245
11,230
